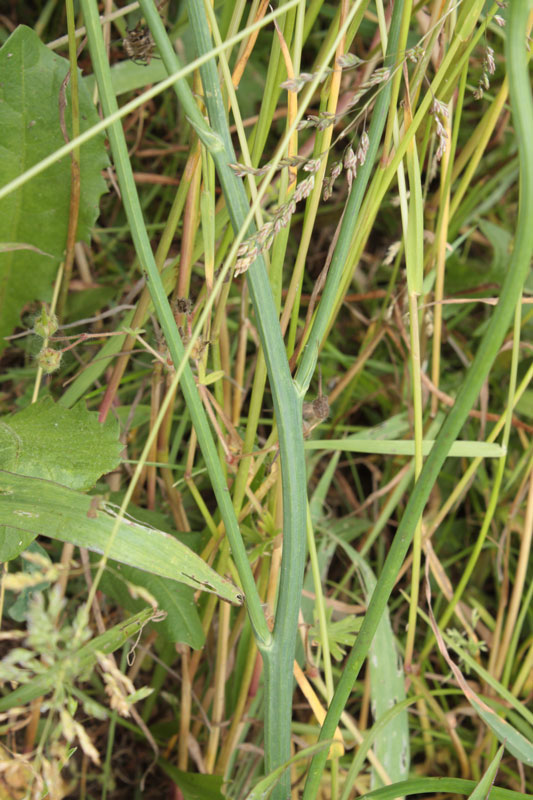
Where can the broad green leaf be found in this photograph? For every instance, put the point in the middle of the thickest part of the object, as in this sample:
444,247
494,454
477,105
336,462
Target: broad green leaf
387,684
49,441
482,790
13,542
37,214
387,688
182,623
368,739
74,665
43,507
67,446
192,785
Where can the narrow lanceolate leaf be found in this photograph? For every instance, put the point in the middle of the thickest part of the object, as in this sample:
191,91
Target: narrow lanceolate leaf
43,507
513,741
482,790
36,216
393,447
439,786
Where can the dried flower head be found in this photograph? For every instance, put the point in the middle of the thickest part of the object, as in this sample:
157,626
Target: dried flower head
313,165
307,164
440,112
392,252
350,165
72,730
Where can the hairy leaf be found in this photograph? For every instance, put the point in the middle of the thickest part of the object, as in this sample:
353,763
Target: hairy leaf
68,446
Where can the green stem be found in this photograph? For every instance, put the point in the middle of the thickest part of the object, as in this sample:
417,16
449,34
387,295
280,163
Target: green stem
522,109
379,115
278,655
166,318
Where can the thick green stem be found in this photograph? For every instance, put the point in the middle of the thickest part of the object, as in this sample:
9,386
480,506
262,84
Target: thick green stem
277,656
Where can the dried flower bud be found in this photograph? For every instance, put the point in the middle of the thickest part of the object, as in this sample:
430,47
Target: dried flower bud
362,150
439,112
355,99
313,165
326,119
49,359
378,76
336,170
489,60
298,82
241,266
46,324
321,407
304,189
240,170
350,160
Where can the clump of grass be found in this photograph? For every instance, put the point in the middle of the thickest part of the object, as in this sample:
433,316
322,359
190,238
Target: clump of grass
387,185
